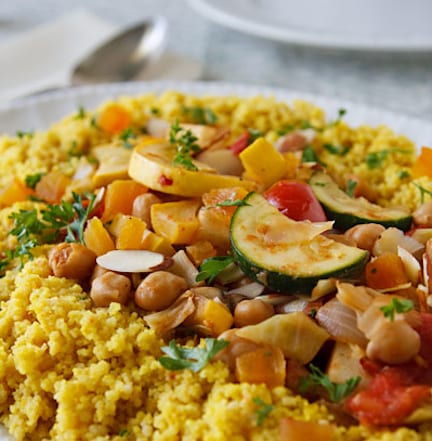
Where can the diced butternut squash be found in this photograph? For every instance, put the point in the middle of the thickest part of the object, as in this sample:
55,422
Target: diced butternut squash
177,221
423,164
296,430
130,235
263,163
210,316
199,251
97,238
52,186
114,118
119,197
263,365
385,271
153,242
16,191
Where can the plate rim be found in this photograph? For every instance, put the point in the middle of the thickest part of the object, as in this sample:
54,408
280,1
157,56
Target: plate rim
213,11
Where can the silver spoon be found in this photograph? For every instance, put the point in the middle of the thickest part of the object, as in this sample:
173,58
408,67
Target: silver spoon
123,56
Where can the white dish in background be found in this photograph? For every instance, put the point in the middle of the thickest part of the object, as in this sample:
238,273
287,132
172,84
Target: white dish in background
386,25
39,111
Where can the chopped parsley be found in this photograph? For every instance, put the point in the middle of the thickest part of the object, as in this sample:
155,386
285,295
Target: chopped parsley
351,186
336,391
200,115
155,111
212,267
403,174
262,410
181,357
123,432
423,192
336,149
375,159
397,306
309,155
126,135
81,114
32,180
185,142
32,229
22,134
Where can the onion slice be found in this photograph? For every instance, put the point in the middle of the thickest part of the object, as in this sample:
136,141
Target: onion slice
340,322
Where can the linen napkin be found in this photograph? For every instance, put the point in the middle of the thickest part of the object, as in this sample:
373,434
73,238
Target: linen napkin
42,58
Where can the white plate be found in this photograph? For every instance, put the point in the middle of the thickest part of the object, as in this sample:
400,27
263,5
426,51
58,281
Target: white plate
390,25
39,111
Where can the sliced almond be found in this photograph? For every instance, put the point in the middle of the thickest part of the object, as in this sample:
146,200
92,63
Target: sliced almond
133,261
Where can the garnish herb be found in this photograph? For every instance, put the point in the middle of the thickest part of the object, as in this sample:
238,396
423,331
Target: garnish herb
123,432
351,186
32,180
232,203
341,114
200,115
309,155
181,357
403,174
397,306
74,151
185,141
155,111
125,136
32,230
375,159
423,192
22,134
262,410
336,391
81,114
212,267
254,134
336,149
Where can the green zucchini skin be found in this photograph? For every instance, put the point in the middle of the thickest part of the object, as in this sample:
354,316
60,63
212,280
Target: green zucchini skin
348,212
261,264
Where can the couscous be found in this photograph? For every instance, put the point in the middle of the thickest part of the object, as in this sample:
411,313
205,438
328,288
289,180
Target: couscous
164,275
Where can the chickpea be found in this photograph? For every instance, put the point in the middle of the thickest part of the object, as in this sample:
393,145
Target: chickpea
141,206
159,290
72,260
423,215
393,342
110,287
97,272
251,312
365,235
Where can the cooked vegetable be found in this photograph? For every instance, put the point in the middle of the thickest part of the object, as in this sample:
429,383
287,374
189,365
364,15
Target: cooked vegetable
347,211
285,255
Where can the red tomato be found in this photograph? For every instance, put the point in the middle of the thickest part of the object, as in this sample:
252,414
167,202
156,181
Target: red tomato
388,399
240,143
295,200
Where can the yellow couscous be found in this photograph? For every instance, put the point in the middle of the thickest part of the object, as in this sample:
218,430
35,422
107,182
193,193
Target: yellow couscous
72,370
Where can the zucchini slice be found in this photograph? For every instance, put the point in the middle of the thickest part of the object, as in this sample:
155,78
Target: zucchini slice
347,211
287,256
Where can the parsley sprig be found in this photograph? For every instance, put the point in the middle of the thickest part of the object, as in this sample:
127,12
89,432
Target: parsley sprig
397,306
181,357
32,229
262,409
200,115
212,267
336,391
423,192
375,159
232,203
185,142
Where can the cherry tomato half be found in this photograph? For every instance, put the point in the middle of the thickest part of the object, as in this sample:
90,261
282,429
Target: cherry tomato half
295,200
